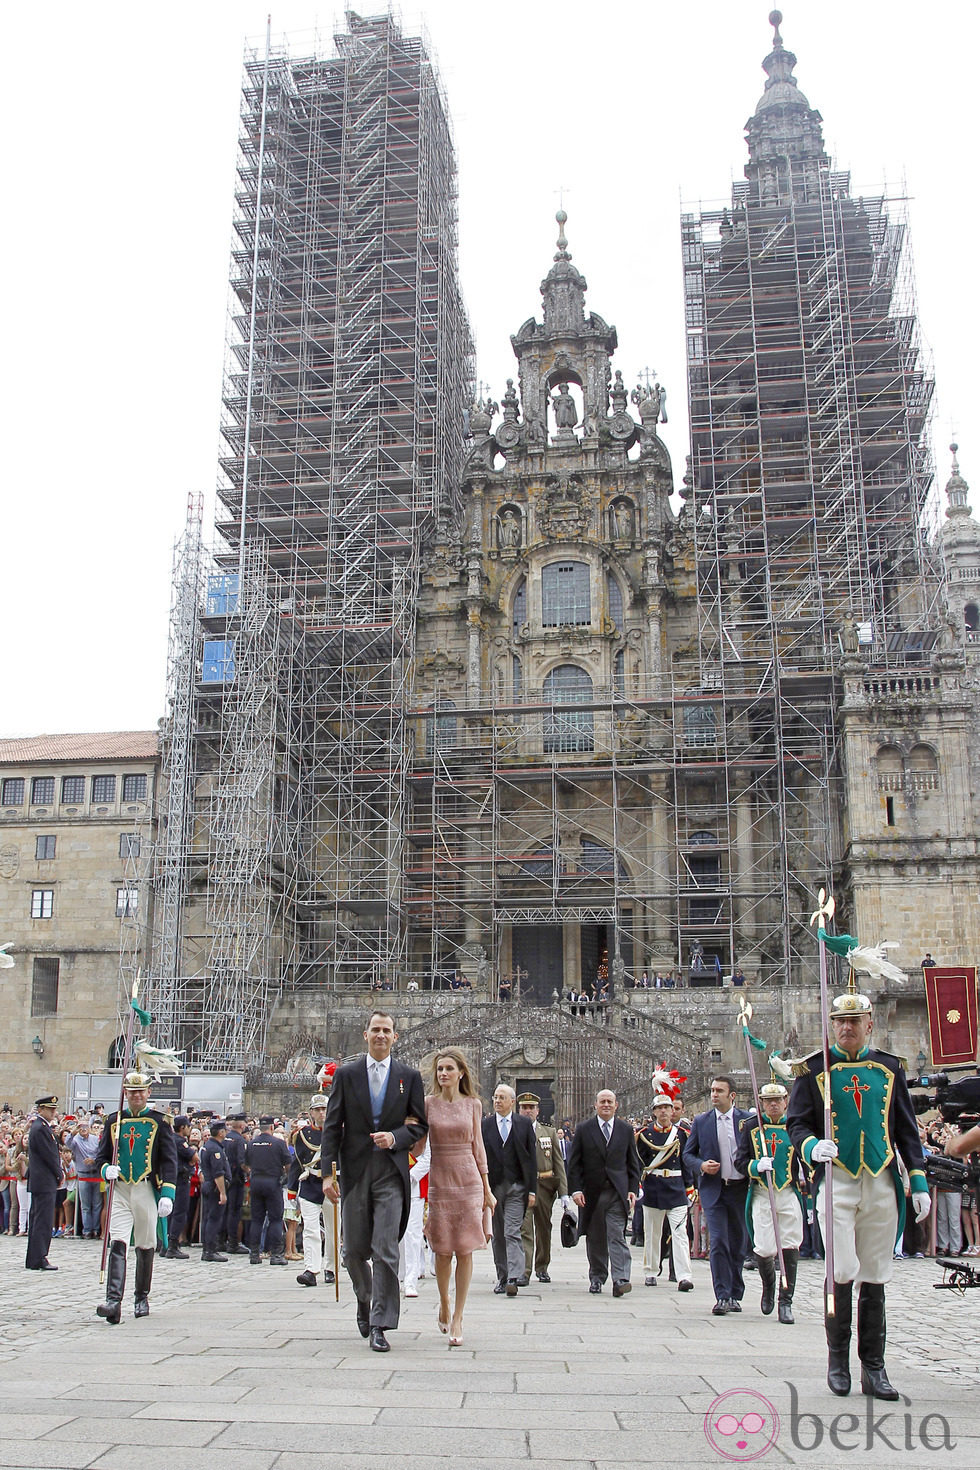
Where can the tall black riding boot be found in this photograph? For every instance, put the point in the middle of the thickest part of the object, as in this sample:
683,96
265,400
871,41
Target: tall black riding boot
115,1282
790,1261
871,1342
144,1276
838,1328
767,1271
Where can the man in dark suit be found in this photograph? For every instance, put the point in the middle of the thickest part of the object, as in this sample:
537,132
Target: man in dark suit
604,1176
710,1154
44,1176
512,1173
375,1116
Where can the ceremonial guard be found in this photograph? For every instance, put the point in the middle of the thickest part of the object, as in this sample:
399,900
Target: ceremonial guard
872,1126
267,1160
215,1177
777,1159
235,1144
144,1181
667,1184
552,1185
306,1186
44,1176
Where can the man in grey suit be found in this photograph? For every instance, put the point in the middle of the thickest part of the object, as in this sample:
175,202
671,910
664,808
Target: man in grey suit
512,1174
375,1115
603,1177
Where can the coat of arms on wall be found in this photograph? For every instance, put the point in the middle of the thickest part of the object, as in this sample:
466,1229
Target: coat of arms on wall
566,509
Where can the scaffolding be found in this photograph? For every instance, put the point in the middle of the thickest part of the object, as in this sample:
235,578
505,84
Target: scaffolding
348,367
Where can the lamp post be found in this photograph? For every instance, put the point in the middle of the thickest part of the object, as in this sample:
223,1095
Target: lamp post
37,1047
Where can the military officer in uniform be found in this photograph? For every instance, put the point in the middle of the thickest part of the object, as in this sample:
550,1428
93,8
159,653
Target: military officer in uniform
267,1160
235,1143
306,1185
215,1178
778,1160
666,1185
552,1185
144,1180
872,1126
44,1177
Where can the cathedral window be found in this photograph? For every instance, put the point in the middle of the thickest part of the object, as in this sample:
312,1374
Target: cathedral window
614,602
566,594
971,618
569,729
619,673
440,732
889,764
516,678
922,769
700,725
519,613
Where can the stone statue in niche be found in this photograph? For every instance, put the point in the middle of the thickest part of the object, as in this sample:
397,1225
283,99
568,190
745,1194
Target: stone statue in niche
508,530
622,518
563,406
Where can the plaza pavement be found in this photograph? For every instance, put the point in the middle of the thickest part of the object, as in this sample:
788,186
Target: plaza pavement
238,1366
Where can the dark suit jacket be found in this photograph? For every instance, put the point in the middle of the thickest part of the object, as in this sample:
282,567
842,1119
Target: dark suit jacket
515,1164
592,1164
349,1123
43,1159
703,1145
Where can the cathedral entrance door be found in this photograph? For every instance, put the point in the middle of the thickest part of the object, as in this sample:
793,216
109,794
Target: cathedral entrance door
594,948
537,949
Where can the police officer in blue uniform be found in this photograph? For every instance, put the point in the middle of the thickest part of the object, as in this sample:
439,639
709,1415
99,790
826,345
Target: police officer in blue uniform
235,1143
267,1159
215,1178
187,1157
44,1176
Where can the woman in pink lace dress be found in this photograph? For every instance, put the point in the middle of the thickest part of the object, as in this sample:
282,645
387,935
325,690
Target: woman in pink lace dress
458,1188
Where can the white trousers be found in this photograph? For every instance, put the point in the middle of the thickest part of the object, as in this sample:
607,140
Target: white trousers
788,1214
23,1206
134,1214
411,1254
865,1225
315,1257
653,1229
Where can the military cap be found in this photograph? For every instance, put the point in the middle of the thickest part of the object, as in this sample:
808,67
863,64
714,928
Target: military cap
135,1079
851,1004
47,1102
320,1101
266,1120
773,1089
529,1097
237,1117
217,1123
663,1100
182,1121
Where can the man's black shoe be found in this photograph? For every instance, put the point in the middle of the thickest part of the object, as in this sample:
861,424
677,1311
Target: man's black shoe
379,1343
500,1288
733,1305
174,1253
511,1288
543,1276
720,1309
363,1319
686,1284
524,1281
44,1266
212,1256
278,1261
237,1250
306,1278
621,1288
328,1278
595,1287
255,1258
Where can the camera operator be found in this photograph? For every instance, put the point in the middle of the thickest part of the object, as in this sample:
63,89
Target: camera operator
959,1145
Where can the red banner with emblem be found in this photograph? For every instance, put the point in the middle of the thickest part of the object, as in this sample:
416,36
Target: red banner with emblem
951,1000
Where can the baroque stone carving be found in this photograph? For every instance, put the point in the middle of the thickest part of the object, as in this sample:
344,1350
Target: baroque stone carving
566,509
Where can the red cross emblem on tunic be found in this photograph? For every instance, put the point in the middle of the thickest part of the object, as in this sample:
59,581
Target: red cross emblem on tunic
857,1087
131,1138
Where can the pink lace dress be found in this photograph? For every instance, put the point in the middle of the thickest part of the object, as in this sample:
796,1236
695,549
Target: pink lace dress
458,1164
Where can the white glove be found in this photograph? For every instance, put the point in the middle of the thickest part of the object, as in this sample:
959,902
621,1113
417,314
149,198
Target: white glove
764,1166
111,1171
164,1207
824,1151
922,1204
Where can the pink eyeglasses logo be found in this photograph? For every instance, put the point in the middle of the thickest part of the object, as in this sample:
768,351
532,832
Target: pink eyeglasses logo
741,1425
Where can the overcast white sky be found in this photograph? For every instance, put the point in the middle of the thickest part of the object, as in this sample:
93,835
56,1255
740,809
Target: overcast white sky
121,134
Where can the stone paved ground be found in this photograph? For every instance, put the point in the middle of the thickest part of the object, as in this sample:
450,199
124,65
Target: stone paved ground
239,1366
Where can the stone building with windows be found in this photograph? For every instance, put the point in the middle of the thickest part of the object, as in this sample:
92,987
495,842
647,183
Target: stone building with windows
77,828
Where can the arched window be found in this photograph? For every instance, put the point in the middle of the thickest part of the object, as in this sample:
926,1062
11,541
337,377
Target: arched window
566,594
922,769
519,609
971,618
117,1053
597,858
614,602
440,733
568,684
890,767
704,838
